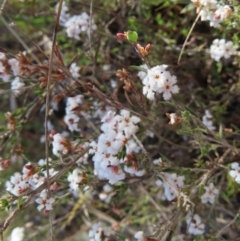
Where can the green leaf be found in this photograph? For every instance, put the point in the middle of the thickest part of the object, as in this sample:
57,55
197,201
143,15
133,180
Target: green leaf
132,36
201,190
190,110
138,68
17,112
186,172
167,103
3,204
20,202
184,132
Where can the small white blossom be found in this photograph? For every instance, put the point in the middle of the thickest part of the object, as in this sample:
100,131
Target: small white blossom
107,193
17,185
17,86
44,202
78,24
60,145
235,173
3,73
74,70
17,234
210,194
72,120
14,66
98,232
223,12
195,225
75,178
171,184
159,80
207,120
139,236
157,161
220,48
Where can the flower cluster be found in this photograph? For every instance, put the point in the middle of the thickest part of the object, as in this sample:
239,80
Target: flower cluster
220,48
195,225
117,131
30,179
77,24
8,68
171,184
235,173
212,11
158,80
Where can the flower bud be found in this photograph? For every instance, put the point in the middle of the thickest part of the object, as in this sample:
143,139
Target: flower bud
121,35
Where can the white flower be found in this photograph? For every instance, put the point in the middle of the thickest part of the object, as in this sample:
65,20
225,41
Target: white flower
74,70
14,66
60,145
17,86
220,48
78,24
157,161
195,225
171,183
35,181
210,194
75,178
17,185
207,120
98,232
73,103
17,234
3,73
235,173
44,202
223,12
139,236
169,86
159,80
43,162
106,194
72,121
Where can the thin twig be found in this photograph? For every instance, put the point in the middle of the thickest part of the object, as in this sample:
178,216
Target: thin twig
188,36
48,90
219,233
19,39
3,6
